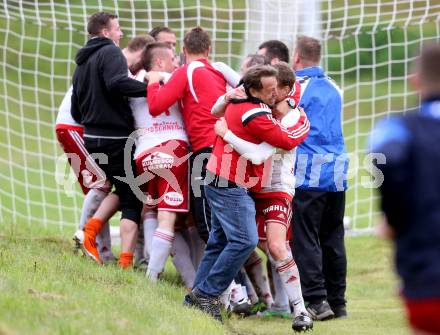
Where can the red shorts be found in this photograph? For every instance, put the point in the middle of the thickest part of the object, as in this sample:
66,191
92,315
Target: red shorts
88,173
423,315
276,210
166,167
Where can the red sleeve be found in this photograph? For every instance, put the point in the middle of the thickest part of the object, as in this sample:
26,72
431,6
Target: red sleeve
295,93
160,98
267,129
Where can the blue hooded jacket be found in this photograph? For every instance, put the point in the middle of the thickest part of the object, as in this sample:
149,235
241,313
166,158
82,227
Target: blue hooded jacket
322,161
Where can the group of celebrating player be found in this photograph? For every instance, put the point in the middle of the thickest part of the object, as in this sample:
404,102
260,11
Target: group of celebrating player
163,135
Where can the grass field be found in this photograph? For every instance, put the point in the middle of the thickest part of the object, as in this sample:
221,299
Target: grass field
45,289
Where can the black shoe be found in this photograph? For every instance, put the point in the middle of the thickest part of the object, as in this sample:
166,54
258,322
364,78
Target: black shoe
207,304
320,310
340,311
302,323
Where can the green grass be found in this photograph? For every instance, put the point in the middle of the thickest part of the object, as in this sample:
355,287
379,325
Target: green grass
45,289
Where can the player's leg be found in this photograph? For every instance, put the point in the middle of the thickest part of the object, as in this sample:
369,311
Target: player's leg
308,209
172,187
278,219
92,181
182,260
333,253
199,203
254,268
162,242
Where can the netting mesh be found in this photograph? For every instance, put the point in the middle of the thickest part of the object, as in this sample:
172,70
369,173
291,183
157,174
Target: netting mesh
368,49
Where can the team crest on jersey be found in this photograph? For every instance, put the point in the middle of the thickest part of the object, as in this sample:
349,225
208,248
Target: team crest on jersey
173,198
157,160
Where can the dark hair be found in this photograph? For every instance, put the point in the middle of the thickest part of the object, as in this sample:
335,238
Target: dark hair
157,30
139,42
98,22
285,76
428,65
255,59
197,41
275,49
308,49
150,52
252,78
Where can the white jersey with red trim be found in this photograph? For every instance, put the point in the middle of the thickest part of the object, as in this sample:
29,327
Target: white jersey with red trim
64,118
154,130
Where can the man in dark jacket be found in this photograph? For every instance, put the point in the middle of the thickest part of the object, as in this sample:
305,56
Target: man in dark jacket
410,193
100,87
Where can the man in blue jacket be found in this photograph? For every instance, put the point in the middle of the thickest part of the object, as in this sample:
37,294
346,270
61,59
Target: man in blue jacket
319,202
411,193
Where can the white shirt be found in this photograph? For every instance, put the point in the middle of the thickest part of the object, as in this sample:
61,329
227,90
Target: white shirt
152,131
64,117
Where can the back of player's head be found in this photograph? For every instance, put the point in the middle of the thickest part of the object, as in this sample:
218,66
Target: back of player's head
151,52
98,22
197,41
308,49
275,49
160,29
254,59
252,78
428,67
285,76
139,42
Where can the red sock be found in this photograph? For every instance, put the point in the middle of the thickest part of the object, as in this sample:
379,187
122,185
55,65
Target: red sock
125,260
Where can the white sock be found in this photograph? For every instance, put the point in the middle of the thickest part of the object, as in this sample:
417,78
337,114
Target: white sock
161,247
254,267
280,298
182,260
288,271
225,297
150,225
238,294
139,248
92,200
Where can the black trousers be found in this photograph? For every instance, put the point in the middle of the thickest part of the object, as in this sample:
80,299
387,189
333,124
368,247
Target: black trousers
112,150
318,245
199,204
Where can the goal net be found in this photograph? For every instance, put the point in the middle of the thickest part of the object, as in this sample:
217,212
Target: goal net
368,48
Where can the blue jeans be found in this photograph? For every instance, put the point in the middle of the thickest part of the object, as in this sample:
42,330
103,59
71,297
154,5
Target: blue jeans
232,238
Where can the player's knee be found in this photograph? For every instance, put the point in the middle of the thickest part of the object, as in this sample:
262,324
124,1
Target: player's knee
277,249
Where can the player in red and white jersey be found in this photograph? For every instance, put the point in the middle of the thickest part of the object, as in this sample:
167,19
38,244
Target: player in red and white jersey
90,177
273,201
162,154
234,234
195,86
